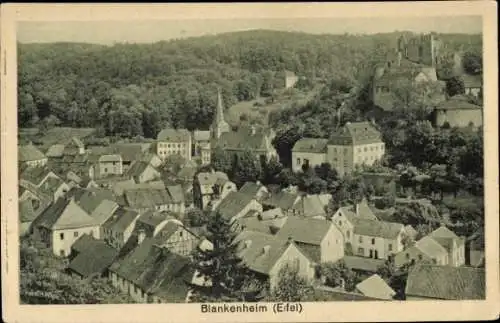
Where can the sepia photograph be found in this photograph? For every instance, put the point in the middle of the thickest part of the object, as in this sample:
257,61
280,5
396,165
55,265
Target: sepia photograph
252,164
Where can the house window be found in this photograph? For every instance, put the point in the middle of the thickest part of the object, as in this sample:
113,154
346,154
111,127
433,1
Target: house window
373,240
298,161
75,234
360,239
390,246
61,236
168,145
180,234
361,251
92,233
105,170
420,257
61,252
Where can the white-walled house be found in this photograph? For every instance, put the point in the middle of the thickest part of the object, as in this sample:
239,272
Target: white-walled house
236,205
309,152
211,187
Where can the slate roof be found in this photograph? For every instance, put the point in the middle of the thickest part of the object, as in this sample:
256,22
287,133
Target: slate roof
150,197
90,198
55,151
110,158
35,175
305,230
243,139
311,145
233,203
104,211
64,214
363,263
129,151
129,184
50,185
94,256
356,133
26,212
430,247
309,206
254,224
283,200
251,188
155,270
121,219
457,103
209,178
446,282
187,173
137,168
374,286
174,135
374,228
29,153
324,293
446,237
253,254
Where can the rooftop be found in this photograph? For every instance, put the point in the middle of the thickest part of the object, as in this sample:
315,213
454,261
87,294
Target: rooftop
374,286
356,133
233,203
311,145
174,135
305,230
29,153
86,263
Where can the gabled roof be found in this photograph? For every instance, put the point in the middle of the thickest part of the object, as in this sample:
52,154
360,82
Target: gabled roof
324,293
243,139
155,270
233,203
446,282
90,198
310,205
50,185
104,211
472,81
283,200
121,219
29,153
110,158
363,263
254,224
356,133
137,168
251,188
374,286
374,228
260,251
311,145
430,247
174,135
129,151
64,214
26,212
445,237
305,230
94,256
212,178
35,175
55,150
150,197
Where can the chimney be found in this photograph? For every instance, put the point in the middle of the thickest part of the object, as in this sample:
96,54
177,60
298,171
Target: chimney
141,236
265,249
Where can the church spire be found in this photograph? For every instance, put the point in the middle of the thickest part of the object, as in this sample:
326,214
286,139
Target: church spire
219,113
219,125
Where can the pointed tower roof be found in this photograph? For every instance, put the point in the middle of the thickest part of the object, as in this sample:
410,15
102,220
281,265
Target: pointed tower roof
219,112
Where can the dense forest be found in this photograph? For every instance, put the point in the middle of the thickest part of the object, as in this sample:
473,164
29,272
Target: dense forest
136,89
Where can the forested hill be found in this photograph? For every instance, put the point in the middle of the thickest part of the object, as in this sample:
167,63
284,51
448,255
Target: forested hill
136,89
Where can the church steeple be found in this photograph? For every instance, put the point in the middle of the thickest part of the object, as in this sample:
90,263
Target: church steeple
219,125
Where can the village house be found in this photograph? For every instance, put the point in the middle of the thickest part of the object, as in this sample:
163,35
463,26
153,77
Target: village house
45,181
153,274
457,112
74,147
142,172
236,205
309,152
209,188
321,240
473,84
170,198
423,250
131,152
90,257
109,165
30,156
265,255
364,267
344,217
119,227
357,143
37,200
61,224
454,245
309,206
54,187
374,286
270,221
177,238
174,141
290,79
427,282
256,140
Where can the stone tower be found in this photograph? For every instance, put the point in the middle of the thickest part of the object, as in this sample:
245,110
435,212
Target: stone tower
219,125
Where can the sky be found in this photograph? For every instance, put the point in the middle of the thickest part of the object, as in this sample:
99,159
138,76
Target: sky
148,31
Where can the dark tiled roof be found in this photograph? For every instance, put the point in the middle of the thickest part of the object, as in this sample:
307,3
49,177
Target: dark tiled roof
129,151
242,139
147,197
305,230
55,151
29,153
310,205
312,251
250,188
362,263
281,199
90,198
324,293
35,175
26,212
446,282
472,81
50,185
233,203
94,256
64,214
311,145
122,218
374,228
356,133
457,103
137,168
174,135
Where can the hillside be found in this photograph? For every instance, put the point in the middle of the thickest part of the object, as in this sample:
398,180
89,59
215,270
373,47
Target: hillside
136,89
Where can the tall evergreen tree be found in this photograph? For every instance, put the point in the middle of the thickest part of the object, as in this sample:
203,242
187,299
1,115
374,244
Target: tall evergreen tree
220,267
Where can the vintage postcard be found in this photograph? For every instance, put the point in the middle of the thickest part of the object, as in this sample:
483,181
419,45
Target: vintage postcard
250,162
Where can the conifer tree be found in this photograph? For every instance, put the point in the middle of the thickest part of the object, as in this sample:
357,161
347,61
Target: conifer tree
221,269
